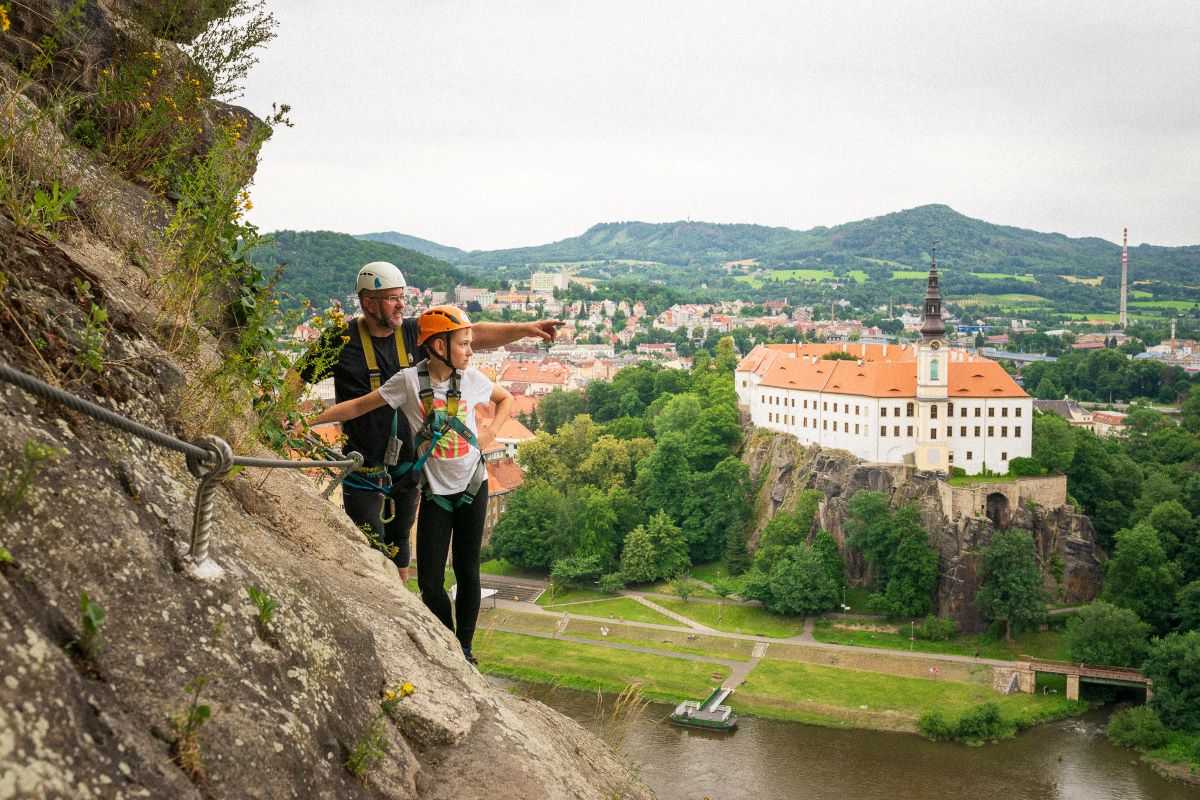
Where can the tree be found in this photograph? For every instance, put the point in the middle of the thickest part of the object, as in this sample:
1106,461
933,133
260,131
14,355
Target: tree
576,570
825,546
1174,667
1174,525
912,575
677,415
528,535
664,474
716,507
654,550
713,436
558,408
896,548
612,461
1011,586
1053,444
726,357
1139,576
1101,633
797,583
1187,607
539,461
684,586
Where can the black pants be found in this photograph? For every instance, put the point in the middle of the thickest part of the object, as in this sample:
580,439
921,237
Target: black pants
366,508
437,531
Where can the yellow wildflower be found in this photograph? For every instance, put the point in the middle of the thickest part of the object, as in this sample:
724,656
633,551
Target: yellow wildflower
248,205
407,689
5,24
178,118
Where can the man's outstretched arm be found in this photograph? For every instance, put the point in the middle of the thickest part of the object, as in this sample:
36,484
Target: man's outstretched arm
498,334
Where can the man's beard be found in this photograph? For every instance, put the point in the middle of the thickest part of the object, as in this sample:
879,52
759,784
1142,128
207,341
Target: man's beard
381,319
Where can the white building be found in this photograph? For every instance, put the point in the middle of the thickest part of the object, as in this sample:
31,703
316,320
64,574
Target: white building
547,282
923,403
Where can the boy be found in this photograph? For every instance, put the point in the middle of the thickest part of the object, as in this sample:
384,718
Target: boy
438,397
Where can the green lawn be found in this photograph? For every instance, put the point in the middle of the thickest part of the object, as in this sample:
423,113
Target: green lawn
966,480
620,607
1043,644
815,693
498,566
676,641
584,666
857,275
572,596
999,276
1174,305
490,617
910,274
1106,316
998,299
737,619
1139,294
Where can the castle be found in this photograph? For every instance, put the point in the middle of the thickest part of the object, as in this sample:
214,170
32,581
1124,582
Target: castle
924,404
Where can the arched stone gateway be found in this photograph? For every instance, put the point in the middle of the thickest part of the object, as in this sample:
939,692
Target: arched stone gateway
997,509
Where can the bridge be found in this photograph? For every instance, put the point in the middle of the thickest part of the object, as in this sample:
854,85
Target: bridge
1026,669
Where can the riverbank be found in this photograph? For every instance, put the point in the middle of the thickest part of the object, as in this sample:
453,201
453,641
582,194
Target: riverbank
793,681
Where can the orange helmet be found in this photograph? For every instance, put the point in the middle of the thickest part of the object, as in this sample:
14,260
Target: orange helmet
440,319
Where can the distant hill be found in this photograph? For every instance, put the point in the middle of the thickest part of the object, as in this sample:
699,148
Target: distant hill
902,238
444,252
321,265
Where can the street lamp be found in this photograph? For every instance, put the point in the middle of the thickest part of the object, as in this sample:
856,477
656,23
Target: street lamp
912,634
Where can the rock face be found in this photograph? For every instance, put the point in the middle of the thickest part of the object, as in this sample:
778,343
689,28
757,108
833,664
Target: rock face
959,525
105,514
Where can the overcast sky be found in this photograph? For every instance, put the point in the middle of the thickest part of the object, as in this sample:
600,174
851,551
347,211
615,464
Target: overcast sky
501,124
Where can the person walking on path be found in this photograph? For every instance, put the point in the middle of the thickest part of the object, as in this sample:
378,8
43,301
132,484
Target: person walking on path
361,357
438,397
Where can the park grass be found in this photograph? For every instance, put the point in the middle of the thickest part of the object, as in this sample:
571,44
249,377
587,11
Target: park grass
1089,281
911,274
857,275
585,666
1140,294
900,665
619,608
966,480
1050,644
750,620
846,698
856,598
540,623
1173,305
999,276
498,566
1104,316
682,641
572,596
1000,299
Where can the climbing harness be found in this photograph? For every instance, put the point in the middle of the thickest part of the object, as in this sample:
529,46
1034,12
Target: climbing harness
437,425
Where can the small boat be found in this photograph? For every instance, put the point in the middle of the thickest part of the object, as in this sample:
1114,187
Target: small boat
709,715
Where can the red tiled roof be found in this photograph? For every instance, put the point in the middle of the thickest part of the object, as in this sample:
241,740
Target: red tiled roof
503,476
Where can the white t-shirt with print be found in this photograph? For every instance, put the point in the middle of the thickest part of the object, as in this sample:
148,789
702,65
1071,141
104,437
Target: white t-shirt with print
452,463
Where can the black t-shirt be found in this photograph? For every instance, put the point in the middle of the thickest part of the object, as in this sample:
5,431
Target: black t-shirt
369,433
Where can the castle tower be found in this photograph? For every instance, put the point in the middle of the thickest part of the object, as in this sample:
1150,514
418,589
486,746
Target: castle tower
933,364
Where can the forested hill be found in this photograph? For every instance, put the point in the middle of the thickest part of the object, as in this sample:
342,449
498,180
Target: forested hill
321,265
445,253
896,240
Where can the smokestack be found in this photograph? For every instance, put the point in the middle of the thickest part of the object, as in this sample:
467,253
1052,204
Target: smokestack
1124,279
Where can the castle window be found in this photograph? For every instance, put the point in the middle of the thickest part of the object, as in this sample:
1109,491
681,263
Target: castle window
910,432
991,431
933,433
896,430
856,427
977,411
911,409
933,370
883,430
1004,456
835,426
970,455
933,412
1004,411
1018,412
804,420
991,412
883,411
976,430
824,424
1004,430
1017,431
962,431
952,458
949,431
949,409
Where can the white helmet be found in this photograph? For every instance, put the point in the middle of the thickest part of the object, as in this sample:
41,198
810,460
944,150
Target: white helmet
379,275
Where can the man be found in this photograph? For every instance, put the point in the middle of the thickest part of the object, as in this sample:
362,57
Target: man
383,494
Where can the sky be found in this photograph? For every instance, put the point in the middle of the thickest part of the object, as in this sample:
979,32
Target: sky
485,125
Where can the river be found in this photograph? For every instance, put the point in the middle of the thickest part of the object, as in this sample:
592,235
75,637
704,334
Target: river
763,759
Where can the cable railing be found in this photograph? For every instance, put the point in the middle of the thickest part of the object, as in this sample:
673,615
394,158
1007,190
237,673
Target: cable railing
209,458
